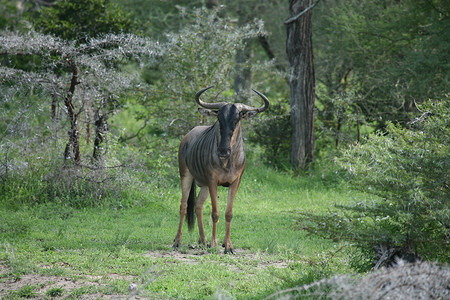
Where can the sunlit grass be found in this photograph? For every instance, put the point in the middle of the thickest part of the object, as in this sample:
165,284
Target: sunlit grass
55,240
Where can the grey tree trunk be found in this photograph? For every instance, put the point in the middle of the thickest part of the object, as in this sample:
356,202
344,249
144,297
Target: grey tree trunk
301,82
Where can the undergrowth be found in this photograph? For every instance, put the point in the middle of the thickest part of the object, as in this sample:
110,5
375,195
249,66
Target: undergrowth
56,239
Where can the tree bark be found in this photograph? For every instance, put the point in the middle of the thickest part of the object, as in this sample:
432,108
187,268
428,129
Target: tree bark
101,129
74,136
301,82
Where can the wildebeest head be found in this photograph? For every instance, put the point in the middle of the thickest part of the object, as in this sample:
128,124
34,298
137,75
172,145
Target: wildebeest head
229,116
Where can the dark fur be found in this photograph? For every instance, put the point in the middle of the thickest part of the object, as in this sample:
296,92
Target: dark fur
190,213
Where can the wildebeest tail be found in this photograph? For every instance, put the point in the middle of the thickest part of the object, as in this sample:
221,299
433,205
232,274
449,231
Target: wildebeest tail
190,214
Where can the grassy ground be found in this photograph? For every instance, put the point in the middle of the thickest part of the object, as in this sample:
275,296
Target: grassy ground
51,250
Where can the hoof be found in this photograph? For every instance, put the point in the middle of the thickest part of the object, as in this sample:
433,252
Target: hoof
229,251
176,245
228,247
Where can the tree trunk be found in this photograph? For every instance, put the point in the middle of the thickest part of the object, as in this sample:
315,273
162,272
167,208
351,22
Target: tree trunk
101,128
301,81
72,149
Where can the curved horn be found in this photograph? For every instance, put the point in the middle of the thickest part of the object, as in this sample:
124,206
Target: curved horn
216,105
243,107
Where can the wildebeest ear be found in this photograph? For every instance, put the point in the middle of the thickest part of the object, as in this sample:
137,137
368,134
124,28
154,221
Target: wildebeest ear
248,114
207,112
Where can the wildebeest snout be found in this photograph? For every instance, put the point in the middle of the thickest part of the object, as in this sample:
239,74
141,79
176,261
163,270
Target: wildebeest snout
224,152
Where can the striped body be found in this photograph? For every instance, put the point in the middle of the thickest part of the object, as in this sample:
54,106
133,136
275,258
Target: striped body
212,156
198,152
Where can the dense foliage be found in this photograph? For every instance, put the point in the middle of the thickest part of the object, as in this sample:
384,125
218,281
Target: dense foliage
70,76
403,173
384,55
274,135
200,55
78,20
55,143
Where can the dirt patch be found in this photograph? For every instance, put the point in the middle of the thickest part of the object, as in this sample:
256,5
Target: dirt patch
39,285
190,257
193,256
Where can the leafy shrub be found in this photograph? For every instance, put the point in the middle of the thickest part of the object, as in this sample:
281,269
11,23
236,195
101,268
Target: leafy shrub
37,175
39,161
201,54
403,173
273,134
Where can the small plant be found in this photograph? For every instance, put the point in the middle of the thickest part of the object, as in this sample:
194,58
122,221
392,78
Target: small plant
55,292
28,291
16,276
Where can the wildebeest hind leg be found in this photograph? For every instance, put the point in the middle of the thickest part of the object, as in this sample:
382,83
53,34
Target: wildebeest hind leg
202,195
186,184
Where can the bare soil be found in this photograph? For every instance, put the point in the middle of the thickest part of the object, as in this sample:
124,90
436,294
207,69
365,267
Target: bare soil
10,285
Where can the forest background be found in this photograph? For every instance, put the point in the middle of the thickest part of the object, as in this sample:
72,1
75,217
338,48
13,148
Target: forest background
96,94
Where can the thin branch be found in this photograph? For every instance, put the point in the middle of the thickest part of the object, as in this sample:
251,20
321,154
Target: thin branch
178,119
415,103
123,139
422,118
265,45
294,18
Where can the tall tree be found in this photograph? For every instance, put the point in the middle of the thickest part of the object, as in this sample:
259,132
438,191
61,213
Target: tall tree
94,81
301,81
383,56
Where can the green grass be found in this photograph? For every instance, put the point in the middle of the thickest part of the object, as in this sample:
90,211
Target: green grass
115,247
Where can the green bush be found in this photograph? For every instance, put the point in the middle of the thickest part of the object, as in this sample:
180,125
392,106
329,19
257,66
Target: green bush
273,134
75,20
404,176
201,54
39,176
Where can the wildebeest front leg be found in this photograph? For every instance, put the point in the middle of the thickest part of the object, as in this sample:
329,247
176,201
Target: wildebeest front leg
229,215
186,184
214,214
202,195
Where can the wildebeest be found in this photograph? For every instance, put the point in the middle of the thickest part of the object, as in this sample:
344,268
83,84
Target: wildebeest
212,156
